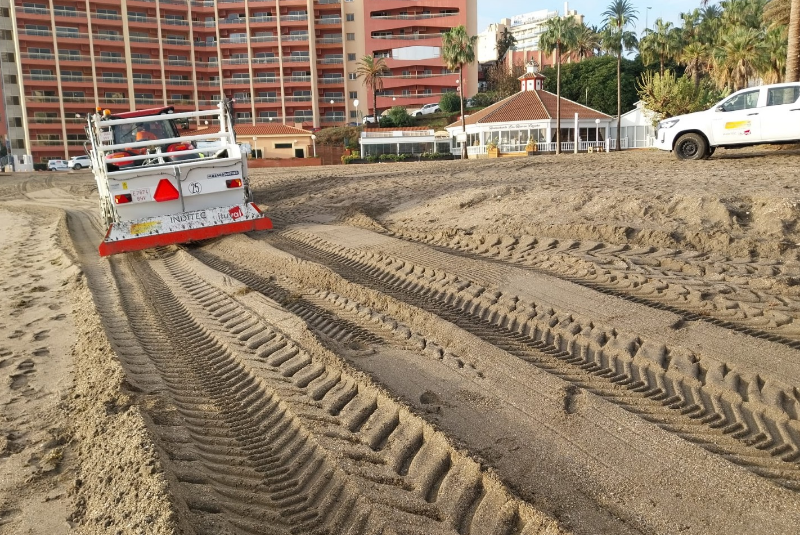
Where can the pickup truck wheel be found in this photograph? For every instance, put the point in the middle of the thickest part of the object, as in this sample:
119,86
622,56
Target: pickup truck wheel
691,146
709,152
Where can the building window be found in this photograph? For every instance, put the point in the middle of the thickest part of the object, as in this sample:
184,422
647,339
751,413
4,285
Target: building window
353,76
350,17
351,37
283,145
353,95
354,114
351,57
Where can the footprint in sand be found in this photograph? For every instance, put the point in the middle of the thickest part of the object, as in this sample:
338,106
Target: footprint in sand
41,335
58,317
16,334
41,352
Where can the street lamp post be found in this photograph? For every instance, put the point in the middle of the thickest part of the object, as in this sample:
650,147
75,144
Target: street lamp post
646,17
358,113
314,144
255,147
596,130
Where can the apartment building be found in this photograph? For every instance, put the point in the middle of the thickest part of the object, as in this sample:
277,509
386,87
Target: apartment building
284,61
526,28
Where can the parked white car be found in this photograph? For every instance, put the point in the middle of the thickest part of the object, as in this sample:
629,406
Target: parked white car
57,165
766,114
425,110
79,162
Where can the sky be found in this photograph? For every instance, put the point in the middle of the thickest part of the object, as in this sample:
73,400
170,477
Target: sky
490,11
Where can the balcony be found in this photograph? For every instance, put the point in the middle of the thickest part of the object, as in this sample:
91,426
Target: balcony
106,16
294,37
264,39
174,22
330,80
409,37
328,21
296,59
338,60
417,16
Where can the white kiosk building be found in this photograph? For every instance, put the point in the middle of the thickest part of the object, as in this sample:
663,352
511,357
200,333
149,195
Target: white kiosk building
530,116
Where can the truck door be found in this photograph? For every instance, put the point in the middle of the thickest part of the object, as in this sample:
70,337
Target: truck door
738,119
780,118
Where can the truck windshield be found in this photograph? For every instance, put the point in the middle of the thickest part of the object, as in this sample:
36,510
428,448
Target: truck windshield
150,130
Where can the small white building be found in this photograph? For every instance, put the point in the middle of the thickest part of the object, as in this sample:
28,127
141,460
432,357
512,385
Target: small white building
530,116
636,127
405,140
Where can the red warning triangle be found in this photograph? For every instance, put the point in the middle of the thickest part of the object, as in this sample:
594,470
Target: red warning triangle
165,191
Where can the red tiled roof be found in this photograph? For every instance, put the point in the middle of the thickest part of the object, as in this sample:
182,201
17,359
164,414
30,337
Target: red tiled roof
530,106
266,129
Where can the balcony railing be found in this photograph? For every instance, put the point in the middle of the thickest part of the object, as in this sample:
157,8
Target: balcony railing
296,59
264,39
295,37
263,100
269,120
331,61
293,18
418,16
39,33
409,37
331,80
329,20
266,60
298,98
329,40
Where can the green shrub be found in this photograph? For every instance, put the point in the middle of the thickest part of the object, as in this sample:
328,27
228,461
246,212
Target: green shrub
481,100
450,102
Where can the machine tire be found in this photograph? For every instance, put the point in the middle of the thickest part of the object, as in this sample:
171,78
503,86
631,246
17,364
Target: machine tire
77,167
691,146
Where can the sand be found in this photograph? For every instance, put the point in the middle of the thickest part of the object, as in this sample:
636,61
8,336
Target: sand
593,343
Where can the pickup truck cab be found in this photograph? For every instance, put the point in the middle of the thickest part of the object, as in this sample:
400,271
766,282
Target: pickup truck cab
766,114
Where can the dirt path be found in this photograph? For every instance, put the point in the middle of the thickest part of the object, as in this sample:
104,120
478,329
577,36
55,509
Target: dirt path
586,344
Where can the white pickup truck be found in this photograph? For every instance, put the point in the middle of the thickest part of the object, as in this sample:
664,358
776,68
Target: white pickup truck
766,114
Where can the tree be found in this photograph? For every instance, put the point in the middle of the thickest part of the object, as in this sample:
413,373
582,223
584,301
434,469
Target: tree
663,43
458,49
775,43
560,35
396,116
587,41
669,95
505,42
619,14
503,79
592,82
696,57
371,69
793,48
450,102
739,57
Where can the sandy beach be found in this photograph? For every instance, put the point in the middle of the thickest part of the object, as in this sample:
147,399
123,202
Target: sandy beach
582,343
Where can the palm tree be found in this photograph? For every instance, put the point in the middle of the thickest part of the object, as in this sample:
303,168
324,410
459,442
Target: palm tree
793,48
619,14
560,35
371,69
505,42
775,45
739,57
695,56
662,43
458,49
587,42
